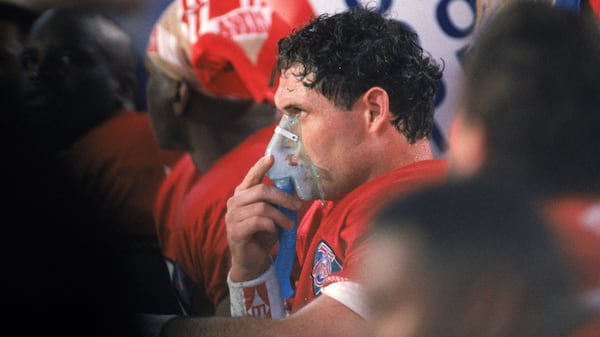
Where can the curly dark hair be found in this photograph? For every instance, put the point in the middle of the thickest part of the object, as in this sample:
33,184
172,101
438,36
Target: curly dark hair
350,52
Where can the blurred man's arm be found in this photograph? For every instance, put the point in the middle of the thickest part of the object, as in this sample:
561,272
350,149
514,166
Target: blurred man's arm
324,316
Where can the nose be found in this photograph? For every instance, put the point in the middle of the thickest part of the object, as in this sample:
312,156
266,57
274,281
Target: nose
292,160
30,63
38,67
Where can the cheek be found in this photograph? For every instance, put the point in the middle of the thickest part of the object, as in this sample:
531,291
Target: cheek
314,139
328,136
158,99
149,87
151,93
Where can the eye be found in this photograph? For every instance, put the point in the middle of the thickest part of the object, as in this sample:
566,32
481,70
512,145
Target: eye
74,58
67,58
29,60
294,111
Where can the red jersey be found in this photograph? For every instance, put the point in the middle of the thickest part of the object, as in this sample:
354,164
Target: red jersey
199,253
118,167
169,197
329,245
576,220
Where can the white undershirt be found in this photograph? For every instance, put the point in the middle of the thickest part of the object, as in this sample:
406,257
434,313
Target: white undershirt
350,294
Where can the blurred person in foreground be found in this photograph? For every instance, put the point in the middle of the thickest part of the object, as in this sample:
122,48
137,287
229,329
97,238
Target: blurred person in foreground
210,93
362,90
486,9
530,111
471,258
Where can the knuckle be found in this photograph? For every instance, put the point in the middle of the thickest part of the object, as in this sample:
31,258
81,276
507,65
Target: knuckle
263,190
260,208
230,203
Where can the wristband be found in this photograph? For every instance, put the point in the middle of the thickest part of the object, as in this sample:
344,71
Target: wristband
260,297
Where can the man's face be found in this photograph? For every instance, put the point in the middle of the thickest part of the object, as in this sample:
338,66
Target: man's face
67,78
334,139
168,128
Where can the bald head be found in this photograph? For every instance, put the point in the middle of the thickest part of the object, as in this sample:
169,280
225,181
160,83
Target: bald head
73,26
79,69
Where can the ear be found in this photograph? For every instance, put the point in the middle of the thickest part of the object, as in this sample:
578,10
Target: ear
467,146
377,110
181,98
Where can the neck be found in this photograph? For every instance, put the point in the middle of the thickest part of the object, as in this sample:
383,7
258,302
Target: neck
210,142
406,154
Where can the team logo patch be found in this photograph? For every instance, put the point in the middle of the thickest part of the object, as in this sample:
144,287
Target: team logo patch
325,264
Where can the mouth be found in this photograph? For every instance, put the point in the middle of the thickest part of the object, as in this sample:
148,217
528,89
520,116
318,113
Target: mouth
37,109
35,100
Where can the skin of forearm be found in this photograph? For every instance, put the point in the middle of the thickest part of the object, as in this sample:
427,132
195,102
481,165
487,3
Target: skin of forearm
323,317
219,327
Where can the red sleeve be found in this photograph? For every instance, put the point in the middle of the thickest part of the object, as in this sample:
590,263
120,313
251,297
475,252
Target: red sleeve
202,251
119,167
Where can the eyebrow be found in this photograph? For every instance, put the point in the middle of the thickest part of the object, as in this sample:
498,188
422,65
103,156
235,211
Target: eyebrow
292,107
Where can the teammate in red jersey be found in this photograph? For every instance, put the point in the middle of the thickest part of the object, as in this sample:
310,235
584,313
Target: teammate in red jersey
363,91
210,89
79,102
78,111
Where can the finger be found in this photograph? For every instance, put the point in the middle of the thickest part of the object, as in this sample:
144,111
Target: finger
266,214
264,193
256,173
248,227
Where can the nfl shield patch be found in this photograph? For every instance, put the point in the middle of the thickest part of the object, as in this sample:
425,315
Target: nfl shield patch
325,264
